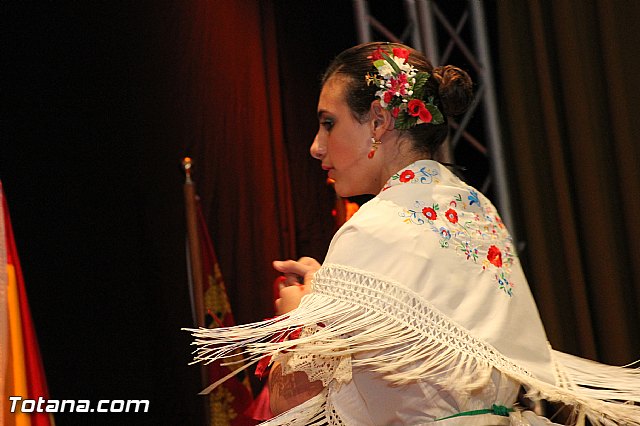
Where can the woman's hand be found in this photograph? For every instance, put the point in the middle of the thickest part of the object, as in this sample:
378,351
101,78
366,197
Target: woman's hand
298,282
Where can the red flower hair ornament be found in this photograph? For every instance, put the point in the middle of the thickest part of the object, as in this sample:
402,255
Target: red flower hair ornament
416,108
402,89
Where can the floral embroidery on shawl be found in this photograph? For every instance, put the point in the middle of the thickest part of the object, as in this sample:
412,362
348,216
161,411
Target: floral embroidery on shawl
467,224
424,175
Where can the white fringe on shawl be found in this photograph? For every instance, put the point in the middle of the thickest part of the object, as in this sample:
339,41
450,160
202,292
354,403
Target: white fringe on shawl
353,312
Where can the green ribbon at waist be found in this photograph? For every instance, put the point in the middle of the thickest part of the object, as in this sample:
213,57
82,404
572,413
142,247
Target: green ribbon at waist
498,410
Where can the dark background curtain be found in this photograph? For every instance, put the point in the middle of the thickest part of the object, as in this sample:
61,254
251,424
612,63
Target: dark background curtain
101,100
570,98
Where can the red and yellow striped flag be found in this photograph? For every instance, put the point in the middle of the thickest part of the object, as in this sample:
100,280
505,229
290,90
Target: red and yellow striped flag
21,370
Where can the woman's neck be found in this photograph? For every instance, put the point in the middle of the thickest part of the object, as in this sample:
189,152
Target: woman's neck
399,156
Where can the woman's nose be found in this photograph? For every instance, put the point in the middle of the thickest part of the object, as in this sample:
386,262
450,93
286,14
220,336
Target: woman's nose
317,149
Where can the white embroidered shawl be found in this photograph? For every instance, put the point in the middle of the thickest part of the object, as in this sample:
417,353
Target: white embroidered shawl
423,283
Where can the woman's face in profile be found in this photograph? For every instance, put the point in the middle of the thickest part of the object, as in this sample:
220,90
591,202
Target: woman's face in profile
342,143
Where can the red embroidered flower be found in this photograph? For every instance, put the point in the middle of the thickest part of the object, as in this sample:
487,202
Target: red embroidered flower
429,213
416,108
388,95
397,84
451,215
376,55
401,52
406,176
494,256
425,115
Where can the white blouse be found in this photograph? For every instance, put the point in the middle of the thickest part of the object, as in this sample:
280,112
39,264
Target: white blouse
431,237
421,314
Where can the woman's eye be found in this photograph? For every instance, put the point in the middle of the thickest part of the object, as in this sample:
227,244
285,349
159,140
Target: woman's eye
327,124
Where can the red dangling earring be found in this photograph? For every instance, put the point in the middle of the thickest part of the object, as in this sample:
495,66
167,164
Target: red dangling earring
374,147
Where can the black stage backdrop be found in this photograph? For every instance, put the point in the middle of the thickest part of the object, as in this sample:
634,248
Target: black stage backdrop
101,100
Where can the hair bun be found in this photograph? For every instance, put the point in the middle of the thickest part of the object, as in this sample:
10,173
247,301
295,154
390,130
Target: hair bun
456,89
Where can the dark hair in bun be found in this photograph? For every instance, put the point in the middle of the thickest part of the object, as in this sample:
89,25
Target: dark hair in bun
455,91
450,87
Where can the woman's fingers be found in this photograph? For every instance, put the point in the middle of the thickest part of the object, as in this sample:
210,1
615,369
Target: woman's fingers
291,279
296,283
289,298
299,267
290,267
310,262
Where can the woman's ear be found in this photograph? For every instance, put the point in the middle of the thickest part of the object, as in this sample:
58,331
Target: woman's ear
381,119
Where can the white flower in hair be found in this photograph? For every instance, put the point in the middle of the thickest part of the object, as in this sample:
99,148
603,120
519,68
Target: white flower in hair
385,70
402,64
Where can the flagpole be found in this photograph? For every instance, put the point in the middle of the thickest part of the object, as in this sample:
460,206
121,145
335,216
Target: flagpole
195,253
196,273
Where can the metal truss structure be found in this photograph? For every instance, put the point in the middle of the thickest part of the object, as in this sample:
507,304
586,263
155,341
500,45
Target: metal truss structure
442,32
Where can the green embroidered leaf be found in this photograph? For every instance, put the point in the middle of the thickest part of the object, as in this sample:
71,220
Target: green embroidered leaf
436,115
391,62
405,121
418,87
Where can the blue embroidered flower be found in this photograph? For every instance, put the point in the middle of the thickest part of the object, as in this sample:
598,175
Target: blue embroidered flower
446,236
444,232
411,216
504,284
470,252
473,198
427,175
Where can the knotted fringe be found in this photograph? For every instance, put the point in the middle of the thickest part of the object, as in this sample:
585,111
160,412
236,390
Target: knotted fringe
597,380
602,393
392,331
408,354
